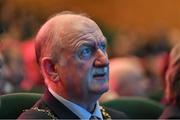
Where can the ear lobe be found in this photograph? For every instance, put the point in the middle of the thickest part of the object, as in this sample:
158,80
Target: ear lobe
49,69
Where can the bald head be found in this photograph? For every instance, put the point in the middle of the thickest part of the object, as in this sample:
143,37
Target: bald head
60,31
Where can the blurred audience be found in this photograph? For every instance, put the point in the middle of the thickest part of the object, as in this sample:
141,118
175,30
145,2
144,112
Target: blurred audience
172,86
17,28
127,78
153,56
19,70
12,64
32,76
125,43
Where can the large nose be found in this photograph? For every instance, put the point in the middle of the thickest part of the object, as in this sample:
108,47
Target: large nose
101,59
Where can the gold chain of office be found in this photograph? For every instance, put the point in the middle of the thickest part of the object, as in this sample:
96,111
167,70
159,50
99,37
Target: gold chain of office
103,111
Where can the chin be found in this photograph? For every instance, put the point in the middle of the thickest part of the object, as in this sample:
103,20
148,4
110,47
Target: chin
100,90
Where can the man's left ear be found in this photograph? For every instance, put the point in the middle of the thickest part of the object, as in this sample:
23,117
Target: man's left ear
49,69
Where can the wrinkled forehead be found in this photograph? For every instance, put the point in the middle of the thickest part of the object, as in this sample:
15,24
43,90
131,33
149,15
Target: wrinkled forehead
73,27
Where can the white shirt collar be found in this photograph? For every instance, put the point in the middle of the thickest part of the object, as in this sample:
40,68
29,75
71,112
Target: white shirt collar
76,109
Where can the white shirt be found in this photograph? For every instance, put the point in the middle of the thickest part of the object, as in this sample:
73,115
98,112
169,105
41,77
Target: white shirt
76,109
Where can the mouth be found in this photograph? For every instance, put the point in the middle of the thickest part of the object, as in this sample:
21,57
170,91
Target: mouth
101,74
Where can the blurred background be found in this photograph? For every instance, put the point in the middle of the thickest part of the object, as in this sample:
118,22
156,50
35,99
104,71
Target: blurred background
140,34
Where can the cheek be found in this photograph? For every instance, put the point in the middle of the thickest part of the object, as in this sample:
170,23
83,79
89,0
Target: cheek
84,71
84,74
84,68
79,71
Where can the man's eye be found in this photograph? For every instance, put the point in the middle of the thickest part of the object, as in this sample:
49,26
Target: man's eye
86,52
103,47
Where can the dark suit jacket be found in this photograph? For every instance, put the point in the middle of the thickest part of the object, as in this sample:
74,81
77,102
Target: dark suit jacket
171,112
49,107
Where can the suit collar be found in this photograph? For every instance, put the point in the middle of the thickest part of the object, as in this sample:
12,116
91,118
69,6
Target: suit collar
60,110
81,112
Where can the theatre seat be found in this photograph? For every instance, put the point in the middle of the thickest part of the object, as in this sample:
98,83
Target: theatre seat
136,107
12,105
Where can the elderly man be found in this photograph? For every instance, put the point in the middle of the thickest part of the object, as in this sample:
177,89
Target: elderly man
71,52
172,86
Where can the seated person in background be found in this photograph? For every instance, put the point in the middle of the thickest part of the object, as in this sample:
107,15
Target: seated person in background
71,52
127,78
12,70
5,84
172,86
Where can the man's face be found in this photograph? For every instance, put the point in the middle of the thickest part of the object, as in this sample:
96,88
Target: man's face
83,65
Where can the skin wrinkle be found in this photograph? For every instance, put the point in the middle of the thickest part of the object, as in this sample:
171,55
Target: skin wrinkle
68,38
65,36
87,36
76,42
